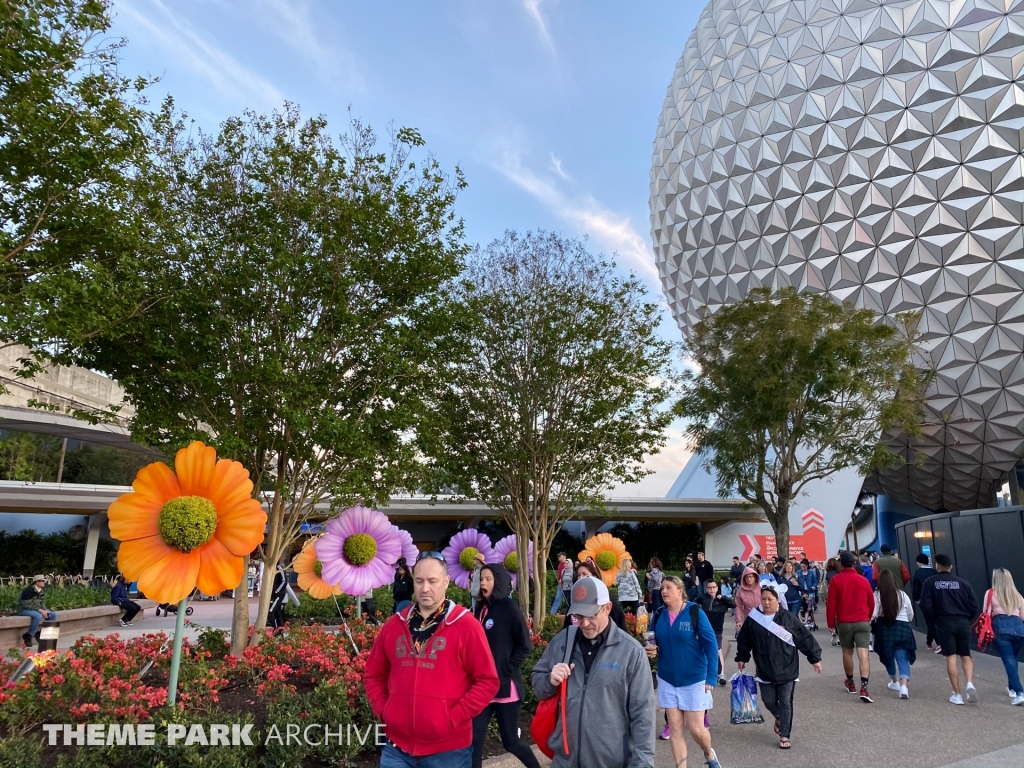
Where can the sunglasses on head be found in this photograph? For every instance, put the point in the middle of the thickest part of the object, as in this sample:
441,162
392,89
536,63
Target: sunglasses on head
432,554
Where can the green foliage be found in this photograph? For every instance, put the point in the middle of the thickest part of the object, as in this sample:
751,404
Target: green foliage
73,148
794,387
459,595
33,457
326,611
552,626
57,598
530,700
326,704
669,542
215,641
21,751
27,553
557,389
303,304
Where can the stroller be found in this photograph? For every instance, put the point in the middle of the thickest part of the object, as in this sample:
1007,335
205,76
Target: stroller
807,611
169,608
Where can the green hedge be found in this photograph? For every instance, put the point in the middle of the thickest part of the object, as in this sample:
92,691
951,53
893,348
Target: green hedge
57,598
311,609
27,553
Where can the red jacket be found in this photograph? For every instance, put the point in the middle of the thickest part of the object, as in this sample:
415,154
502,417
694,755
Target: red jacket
850,598
427,703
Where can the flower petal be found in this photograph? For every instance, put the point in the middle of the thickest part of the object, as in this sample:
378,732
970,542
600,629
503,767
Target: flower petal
241,530
336,572
230,486
157,481
219,568
136,556
133,516
195,466
172,578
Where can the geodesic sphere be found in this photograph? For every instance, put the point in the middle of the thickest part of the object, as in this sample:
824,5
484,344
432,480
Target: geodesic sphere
870,150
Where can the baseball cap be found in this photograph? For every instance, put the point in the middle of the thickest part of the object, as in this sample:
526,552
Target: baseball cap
847,559
588,594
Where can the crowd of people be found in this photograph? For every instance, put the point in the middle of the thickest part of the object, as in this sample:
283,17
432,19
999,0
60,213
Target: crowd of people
440,673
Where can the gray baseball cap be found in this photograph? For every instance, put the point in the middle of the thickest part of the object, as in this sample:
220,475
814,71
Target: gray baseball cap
588,594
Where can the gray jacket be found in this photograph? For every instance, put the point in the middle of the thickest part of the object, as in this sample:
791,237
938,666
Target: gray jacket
610,711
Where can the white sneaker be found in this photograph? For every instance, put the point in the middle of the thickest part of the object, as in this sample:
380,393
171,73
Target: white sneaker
938,649
1018,699
904,693
892,685
1012,694
971,694
956,698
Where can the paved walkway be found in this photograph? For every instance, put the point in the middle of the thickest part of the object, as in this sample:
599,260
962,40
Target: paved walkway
835,729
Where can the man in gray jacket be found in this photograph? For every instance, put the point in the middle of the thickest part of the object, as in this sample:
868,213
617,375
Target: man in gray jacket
610,693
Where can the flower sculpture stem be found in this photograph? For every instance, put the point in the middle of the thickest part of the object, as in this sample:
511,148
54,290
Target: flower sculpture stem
179,631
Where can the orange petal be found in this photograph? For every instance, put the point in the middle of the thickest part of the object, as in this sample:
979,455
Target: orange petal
172,578
320,589
305,561
136,556
230,486
157,481
195,466
133,516
218,568
241,530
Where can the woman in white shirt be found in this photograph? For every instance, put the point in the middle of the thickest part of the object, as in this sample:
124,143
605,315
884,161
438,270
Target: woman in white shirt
628,587
894,635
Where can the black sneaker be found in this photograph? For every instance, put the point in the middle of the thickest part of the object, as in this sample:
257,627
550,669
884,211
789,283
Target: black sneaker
27,638
865,696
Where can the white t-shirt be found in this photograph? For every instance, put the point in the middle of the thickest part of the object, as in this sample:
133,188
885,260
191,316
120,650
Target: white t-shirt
906,608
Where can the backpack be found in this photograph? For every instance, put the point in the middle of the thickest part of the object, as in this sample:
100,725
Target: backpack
694,618
546,717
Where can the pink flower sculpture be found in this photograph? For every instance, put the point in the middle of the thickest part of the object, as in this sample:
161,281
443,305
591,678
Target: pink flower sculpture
358,550
460,552
409,550
505,554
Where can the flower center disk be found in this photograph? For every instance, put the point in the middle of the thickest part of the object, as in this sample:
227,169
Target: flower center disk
511,562
606,560
318,568
187,522
467,556
359,548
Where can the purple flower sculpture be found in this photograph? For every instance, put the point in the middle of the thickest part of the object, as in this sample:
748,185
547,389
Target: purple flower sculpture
358,550
505,554
409,550
460,552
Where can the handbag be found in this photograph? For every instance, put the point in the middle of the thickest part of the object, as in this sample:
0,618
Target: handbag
983,625
546,717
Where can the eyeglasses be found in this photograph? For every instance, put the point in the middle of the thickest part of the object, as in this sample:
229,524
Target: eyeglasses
432,554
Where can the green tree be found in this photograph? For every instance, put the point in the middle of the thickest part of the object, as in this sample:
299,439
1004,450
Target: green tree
303,294
73,146
793,387
556,393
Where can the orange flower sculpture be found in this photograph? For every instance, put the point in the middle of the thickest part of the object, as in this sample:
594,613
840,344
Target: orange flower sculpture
607,551
307,568
188,527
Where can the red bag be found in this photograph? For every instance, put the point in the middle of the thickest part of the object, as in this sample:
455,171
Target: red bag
983,626
546,717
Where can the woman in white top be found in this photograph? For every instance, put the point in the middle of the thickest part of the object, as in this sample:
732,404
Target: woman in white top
894,636
1006,605
628,587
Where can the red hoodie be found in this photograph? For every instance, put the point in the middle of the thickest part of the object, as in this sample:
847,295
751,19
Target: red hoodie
850,598
428,703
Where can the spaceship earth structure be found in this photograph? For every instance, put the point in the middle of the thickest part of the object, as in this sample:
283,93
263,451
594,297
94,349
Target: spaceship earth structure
870,150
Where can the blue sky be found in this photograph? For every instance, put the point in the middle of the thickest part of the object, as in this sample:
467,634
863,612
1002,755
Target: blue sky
550,107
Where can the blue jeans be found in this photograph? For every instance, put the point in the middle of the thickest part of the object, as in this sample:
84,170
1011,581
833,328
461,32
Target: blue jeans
558,601
36,617
899,661
402,605
1009,648
392,757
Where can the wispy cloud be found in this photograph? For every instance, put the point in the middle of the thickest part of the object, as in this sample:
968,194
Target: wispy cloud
585,213
556,164
222,71
290,20
533,10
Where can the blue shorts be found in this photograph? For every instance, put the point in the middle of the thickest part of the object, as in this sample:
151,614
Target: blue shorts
688,698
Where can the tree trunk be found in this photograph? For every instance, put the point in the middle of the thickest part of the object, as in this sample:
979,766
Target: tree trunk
240,614
540,570
781,527
523,569
271,555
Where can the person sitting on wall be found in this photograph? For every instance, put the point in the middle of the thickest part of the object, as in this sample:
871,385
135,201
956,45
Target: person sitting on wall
119,597
32,603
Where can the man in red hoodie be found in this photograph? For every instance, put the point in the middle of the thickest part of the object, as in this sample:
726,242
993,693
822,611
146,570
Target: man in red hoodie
848,610
429,673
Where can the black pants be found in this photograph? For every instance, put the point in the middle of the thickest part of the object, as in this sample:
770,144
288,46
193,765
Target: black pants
130,609
778,699
930,623
630,606
507,716
276,618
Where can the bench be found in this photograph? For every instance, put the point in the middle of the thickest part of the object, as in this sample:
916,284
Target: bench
71,621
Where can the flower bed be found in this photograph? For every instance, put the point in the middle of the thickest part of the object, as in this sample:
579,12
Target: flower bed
302,675
57,598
